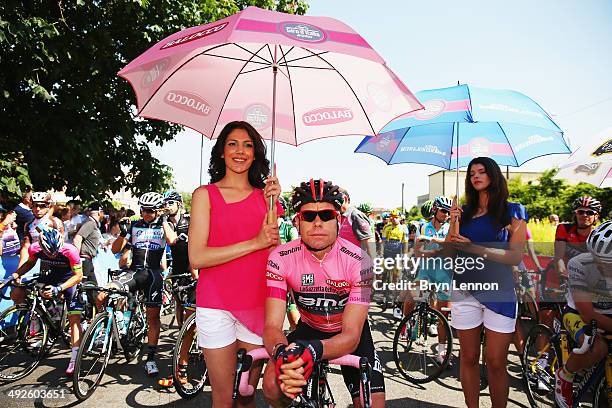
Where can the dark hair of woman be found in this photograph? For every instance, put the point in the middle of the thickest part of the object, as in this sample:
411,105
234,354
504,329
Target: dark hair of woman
260,168
497,190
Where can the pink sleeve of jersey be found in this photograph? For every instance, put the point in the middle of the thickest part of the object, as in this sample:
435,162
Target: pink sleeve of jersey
70,252
276,277
362,277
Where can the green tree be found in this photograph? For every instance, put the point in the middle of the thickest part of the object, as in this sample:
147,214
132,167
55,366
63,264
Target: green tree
365,208
550,196
14,178
63,107
186,201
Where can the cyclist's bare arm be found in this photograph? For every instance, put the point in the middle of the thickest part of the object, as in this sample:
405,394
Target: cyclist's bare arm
118,244
273,327
532,254
170,234
345,342
23,252
584,305
25,267
77,277
559,264
365,247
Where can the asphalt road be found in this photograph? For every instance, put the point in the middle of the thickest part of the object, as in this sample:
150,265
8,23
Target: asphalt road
126,384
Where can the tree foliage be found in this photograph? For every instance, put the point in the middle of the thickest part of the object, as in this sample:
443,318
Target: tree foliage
550,196
65,113
14,178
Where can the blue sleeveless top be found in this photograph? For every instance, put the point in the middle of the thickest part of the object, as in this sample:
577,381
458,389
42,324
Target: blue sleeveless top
484,231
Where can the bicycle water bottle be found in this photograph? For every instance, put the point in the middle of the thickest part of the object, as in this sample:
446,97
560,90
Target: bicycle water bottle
119,320
126,321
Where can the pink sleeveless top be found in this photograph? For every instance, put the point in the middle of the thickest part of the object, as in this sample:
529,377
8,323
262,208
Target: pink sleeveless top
238,286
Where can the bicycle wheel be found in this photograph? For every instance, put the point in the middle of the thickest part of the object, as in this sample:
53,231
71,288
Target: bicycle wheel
190,385
541,357
167,307
93,356
416,355
24,335
600,398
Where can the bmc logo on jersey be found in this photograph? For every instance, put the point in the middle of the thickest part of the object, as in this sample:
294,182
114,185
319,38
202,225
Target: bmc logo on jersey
322,302
338,284
273,276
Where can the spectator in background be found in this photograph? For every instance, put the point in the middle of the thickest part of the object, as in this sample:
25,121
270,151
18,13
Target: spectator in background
553,219
355,225
9,245
23,210
87,240
75,221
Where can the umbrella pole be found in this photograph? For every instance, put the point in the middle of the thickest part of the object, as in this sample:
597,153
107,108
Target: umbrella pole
455,222
271,206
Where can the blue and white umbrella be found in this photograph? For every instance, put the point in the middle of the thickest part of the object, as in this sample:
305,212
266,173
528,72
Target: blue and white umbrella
505,125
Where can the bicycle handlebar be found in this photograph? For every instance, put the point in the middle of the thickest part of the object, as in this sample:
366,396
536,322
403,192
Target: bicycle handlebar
245,389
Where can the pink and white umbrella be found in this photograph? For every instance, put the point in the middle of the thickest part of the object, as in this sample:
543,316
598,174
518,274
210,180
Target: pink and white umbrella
294,78
591,162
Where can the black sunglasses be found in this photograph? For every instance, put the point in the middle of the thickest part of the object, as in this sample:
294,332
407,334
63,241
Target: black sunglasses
147,211
40,205
324,215
170,202
589,213
445,211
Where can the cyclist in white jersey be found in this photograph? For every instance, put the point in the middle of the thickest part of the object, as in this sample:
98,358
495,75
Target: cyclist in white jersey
589,298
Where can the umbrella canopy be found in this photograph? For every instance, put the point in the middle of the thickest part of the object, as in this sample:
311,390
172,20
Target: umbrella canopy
319,76
504,125
591,162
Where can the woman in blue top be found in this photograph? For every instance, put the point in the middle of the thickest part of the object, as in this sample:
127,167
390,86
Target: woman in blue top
490,239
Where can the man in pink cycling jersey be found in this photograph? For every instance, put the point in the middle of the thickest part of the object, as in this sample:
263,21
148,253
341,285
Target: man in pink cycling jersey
330,279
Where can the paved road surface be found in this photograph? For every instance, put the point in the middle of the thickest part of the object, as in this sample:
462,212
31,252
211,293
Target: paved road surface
128,385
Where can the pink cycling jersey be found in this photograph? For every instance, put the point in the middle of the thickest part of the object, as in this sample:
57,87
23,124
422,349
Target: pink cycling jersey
321,288
67,258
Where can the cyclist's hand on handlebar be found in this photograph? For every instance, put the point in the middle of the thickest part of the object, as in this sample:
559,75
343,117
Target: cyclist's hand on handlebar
51,291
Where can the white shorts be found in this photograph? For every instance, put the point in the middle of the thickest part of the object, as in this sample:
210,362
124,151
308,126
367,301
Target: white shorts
469,313
219,328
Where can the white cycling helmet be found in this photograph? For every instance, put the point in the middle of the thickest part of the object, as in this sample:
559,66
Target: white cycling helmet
151,200
41,197
599,242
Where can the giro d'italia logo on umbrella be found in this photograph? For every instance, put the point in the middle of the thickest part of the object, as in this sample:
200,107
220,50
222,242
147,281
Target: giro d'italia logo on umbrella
302,32
385,143
258,115
433,109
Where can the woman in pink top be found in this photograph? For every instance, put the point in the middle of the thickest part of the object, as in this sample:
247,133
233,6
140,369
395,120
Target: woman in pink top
229,241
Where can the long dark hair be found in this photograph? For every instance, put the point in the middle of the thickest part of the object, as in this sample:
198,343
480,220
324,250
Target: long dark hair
260,168
497,190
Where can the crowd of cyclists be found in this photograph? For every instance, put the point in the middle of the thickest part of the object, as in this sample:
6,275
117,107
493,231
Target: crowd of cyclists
256,269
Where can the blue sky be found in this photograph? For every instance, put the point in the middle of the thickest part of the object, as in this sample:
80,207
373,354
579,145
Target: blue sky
558,52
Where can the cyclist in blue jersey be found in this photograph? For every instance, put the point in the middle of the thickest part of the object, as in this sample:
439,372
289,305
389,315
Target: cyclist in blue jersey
148,237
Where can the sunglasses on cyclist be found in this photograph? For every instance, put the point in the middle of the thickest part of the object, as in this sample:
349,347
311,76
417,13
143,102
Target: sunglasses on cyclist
444,211
588,213
40,205
147,211
170,203
324,215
